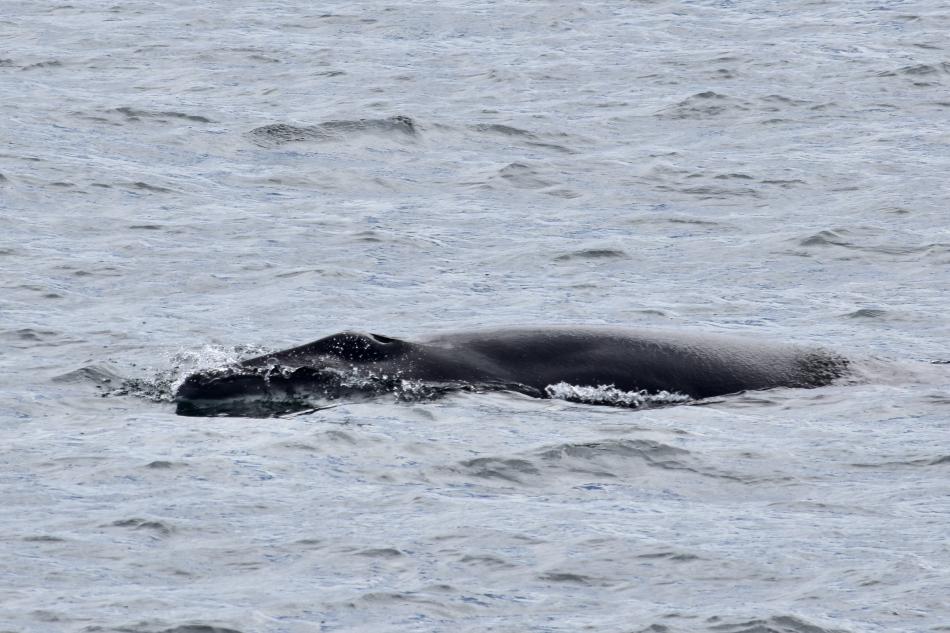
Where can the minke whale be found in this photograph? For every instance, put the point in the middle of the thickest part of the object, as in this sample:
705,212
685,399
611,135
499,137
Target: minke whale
530,361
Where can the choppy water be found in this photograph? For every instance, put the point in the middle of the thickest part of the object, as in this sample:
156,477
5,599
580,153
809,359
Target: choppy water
184,182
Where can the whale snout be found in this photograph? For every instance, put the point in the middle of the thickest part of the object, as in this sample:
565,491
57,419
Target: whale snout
213,387
253,391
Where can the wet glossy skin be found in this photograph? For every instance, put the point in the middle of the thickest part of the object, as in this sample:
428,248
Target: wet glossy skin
525,360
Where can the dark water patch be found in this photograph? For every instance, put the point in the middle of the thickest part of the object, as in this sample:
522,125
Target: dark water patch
867,313
774,624
567,194
784,184
571,578
733,176
6,63
159,527
695,221
704,105
162,116
504,130
162,464
492,562
551,146
146,227
592,253
144,186
3,179
43,538
277,134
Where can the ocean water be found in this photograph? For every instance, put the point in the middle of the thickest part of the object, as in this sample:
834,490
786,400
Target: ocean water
186,183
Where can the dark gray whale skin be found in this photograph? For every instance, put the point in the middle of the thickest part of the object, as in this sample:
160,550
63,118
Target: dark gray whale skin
526,360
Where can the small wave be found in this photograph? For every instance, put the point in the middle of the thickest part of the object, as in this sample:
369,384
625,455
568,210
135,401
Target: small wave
524,176
505,130
649,451
593,253
915,71
873,242
940,460
774,624
52,63
164,628
512,470
627,458
159,527
278,134
704,105
132,114
610,395
93,374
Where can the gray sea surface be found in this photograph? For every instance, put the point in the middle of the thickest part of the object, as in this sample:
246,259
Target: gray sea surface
186,183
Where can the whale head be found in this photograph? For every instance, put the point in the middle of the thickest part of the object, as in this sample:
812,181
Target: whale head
305,377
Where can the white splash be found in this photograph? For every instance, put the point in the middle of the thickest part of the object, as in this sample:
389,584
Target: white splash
610,395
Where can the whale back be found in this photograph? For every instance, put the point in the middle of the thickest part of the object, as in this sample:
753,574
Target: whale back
698,365
354,347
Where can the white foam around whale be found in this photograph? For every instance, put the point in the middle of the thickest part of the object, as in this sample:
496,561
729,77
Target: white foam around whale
608,394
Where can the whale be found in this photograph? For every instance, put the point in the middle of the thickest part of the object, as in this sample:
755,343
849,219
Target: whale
527,360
